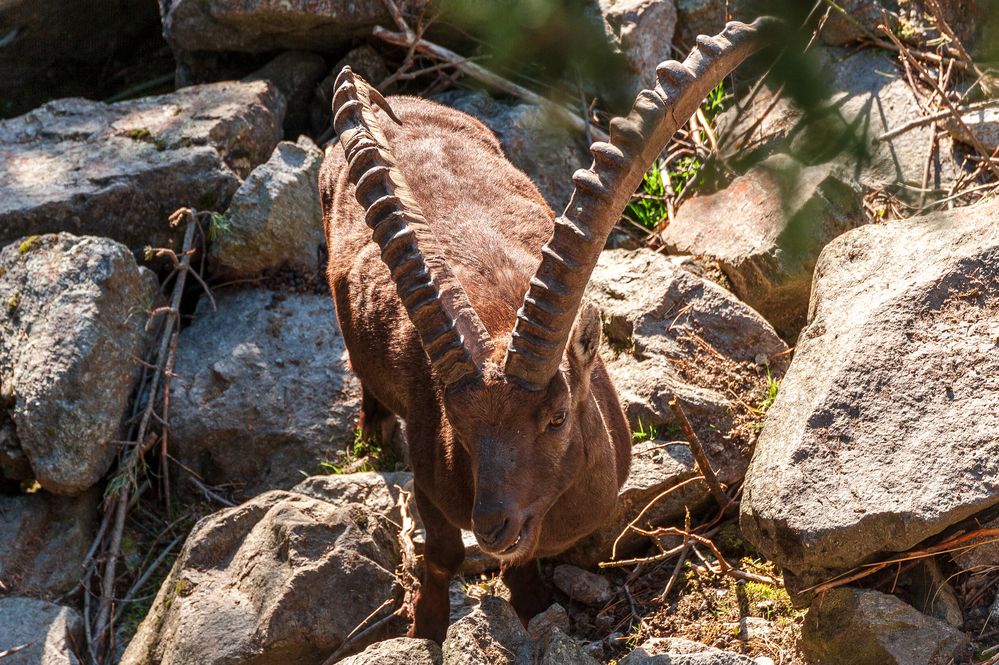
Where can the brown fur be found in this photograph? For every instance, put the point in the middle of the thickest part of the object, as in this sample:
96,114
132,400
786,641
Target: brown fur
483,455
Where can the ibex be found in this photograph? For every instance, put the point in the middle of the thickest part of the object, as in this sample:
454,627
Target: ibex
458,293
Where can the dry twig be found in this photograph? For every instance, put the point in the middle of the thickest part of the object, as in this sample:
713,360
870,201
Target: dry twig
700,456
153,392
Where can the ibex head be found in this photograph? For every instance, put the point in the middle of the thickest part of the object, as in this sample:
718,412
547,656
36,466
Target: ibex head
521,405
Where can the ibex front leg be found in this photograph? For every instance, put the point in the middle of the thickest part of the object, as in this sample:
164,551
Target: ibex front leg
442,558
528,593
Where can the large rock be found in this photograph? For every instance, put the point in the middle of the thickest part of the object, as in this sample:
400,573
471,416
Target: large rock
548,152
643,31
262,392
52,48
491,634
281,579
43,541
53,632
398,651
120,170
708,17
766,230
868,96
295,73
884,430
673,333
984,555
678,651
275,218
73,325
259,26
864,627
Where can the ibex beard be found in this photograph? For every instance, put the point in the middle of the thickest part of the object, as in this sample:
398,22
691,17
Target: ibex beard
460,298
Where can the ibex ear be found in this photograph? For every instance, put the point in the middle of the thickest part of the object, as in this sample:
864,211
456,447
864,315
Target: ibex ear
585,340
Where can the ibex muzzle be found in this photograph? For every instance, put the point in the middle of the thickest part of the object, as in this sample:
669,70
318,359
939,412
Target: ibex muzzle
459,295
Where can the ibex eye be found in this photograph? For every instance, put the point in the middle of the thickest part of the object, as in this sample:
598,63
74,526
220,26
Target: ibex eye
557,420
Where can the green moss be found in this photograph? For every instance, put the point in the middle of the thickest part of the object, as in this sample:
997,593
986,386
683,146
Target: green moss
13,302
139,134
27,244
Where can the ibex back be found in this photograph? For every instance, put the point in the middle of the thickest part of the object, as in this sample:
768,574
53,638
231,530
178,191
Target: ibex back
459,295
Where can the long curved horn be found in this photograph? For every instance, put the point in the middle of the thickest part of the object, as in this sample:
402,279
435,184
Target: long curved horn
545,320
452,335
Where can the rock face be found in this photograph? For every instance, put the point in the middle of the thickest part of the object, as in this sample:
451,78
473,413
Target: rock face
281,579
766,230
582,585
536,143
74,311
678,651
866,627
868,96
678,334
43,540
295,74
643,31
52,631
491,634
984,555
884,431
401,650
120,170
262,391
57,49
258,26
274,219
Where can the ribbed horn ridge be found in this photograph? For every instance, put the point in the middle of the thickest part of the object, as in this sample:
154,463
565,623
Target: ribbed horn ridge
601,192
452,335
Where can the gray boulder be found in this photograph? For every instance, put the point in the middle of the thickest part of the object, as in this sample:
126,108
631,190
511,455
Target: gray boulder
73,326
548,152
398,651
378,491
295,74
643,31
868,96
678,651
43,540
491,634
120,170
283,578
274,219
884,430
766,230
53,632
582,585
259,26
672,333
262,392
864,627
984,555
708,17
